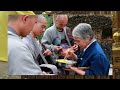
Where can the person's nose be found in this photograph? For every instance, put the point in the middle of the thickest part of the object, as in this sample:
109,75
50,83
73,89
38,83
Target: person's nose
43,29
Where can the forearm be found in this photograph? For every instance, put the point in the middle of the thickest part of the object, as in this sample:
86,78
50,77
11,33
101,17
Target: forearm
81,72
75,57
49,46
77,70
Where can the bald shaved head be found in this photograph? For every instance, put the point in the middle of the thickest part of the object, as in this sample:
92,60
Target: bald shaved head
62,17
61,21
41,18
40,26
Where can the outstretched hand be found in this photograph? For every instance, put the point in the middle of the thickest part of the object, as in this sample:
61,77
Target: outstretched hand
47,52
70,54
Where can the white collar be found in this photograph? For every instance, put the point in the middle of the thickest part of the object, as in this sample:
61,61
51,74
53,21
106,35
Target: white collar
90,44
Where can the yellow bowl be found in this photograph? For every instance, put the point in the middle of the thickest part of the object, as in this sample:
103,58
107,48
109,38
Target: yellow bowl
65,61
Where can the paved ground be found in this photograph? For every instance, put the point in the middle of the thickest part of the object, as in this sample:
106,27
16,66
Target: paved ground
4,71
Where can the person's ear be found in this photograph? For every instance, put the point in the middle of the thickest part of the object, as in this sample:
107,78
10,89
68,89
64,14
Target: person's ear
25,18
55,21
88,37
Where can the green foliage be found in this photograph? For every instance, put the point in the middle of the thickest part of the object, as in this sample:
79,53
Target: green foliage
38,12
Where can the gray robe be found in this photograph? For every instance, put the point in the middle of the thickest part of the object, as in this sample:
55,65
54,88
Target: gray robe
35,48
49,35
20,59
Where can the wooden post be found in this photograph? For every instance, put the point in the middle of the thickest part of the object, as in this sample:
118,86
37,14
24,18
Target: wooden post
114,19
118,19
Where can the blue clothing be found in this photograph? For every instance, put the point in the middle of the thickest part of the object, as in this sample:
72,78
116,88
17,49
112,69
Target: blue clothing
94,58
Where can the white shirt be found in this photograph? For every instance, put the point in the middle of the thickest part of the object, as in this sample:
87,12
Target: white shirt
90,44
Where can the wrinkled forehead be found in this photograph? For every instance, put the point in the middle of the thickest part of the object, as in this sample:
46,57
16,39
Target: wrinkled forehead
42,23
62,18
62,22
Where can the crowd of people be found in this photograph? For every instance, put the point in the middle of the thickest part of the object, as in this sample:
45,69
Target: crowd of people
29,55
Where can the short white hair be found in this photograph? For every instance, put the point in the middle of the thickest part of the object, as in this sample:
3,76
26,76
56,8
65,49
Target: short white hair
82,30
41,17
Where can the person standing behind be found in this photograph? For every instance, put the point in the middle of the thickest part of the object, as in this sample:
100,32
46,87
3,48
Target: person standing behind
48,16
33,43
38,51
57,36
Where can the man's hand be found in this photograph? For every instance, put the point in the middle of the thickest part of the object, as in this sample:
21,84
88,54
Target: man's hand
71,68
70,54
47,52
62,52
75,69
58,48
75,47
